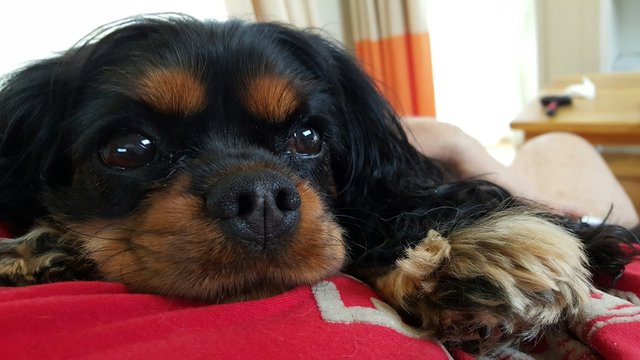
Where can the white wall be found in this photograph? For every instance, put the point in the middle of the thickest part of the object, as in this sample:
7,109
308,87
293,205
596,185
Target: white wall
484,62
33,29
583,36
569,37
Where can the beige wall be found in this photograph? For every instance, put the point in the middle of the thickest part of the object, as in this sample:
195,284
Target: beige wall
568,37
581,36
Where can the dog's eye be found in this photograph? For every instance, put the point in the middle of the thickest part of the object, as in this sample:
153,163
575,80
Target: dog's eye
128,151
305,141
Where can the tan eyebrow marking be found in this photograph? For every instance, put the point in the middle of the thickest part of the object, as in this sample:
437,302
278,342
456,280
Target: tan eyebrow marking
271,97
172,90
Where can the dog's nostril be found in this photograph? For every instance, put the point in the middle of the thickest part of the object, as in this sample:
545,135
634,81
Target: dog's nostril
287,199
246,204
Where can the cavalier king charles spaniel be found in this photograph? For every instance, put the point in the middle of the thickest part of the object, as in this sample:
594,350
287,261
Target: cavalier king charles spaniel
227,161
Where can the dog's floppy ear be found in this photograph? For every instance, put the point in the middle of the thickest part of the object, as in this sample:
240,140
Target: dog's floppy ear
35,107
32,102
378,153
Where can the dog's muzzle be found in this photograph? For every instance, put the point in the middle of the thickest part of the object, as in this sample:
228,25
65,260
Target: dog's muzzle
258,207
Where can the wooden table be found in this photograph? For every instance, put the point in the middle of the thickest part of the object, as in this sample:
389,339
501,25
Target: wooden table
613,118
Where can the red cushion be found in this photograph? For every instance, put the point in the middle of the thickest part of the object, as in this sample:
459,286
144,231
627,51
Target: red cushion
101,320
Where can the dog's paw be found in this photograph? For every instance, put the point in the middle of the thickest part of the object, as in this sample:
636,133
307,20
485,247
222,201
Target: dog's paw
505,279
41,256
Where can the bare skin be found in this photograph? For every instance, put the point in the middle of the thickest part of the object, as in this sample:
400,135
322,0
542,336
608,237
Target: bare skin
559,170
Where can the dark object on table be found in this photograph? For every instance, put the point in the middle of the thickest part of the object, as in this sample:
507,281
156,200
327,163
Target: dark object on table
551,103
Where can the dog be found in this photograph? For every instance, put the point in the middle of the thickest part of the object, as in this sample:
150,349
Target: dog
229,161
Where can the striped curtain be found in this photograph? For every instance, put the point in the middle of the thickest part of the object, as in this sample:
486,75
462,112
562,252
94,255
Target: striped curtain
392,42
301,13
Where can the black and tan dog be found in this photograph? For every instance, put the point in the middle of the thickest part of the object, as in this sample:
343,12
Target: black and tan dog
230,161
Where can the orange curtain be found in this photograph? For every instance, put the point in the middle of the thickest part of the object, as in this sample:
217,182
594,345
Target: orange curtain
392,42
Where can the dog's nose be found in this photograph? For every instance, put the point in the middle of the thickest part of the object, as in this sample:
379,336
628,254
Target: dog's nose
258,207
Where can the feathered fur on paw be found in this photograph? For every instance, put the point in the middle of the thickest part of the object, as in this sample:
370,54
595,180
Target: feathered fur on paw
505,279
41,256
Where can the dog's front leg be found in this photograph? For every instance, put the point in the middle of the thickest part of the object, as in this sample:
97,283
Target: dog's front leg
41,256
505,279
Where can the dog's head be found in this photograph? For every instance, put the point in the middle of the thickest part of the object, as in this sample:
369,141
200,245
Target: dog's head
201,160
